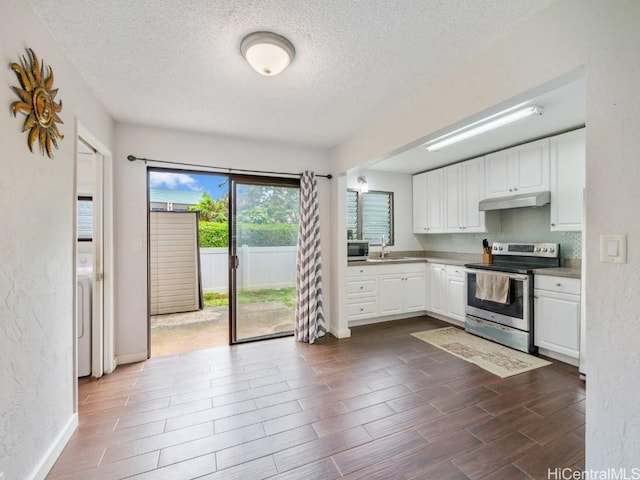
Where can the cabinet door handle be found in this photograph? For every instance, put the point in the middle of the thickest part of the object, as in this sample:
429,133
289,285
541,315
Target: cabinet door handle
553,224
558,284
361,287
515,189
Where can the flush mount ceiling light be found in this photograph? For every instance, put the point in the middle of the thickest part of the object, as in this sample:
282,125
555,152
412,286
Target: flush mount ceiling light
362,184
491,122
268,53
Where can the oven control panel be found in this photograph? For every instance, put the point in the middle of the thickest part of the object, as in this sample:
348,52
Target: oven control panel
550,250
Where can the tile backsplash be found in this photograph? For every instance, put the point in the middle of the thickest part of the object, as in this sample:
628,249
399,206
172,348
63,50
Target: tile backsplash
518,225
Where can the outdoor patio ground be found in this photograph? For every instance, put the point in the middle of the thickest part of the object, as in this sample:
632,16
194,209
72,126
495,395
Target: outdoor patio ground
177,333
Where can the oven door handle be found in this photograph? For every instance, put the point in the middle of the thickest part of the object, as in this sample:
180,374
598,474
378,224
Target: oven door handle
513,276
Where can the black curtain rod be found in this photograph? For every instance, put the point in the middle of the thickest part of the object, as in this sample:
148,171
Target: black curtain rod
133,158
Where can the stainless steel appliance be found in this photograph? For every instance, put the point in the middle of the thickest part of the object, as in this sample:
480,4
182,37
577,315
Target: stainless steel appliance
357,250
509,323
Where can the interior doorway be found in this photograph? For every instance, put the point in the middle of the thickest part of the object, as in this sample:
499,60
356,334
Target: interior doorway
246,254
93,258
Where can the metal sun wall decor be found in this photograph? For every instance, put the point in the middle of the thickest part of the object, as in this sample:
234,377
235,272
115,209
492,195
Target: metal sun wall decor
37,103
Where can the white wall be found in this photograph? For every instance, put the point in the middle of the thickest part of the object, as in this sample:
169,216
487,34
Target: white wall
401,185
131,215
36,258
604,37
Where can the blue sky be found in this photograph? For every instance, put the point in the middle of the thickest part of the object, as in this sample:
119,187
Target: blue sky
214,185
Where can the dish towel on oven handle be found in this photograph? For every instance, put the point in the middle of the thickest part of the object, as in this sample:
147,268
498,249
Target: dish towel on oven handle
492,287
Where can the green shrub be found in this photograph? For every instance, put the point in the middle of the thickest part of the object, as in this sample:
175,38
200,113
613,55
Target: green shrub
214,234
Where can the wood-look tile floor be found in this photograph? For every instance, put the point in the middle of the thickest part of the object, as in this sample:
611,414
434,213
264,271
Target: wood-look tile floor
380,405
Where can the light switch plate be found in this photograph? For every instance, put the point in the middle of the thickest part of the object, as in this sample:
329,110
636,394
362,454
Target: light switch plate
613,248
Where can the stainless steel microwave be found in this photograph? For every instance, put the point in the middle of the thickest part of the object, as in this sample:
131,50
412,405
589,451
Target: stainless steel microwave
357,249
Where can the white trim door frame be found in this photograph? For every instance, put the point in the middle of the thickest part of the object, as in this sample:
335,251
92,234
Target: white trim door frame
103,358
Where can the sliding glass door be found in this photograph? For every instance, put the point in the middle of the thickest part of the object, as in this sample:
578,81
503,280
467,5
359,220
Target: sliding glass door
262,253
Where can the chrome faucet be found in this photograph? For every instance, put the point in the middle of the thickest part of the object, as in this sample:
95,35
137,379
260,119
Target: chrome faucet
383,245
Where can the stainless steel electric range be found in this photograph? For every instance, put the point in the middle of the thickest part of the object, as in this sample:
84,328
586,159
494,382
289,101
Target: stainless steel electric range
507,320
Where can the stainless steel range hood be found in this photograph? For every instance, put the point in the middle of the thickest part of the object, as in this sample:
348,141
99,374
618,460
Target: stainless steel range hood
516,201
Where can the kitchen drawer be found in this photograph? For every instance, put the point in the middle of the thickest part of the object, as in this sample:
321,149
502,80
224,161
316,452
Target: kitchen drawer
557,284
362,271
363,286
362,307
401,268
455,271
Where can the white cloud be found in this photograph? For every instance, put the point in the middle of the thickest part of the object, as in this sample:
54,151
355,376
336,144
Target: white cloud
173,180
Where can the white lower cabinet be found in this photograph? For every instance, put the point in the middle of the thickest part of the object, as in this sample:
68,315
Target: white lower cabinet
446,291
403,288
362,292
455,292
391,292
557,316
382,290
437,288
415,290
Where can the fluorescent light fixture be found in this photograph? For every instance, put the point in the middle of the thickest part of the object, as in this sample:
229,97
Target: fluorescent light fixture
491,122
267,52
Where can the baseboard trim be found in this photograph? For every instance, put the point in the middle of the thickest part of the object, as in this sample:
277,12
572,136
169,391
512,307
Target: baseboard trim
46,463
344,333
444,318
131,358
559,356
386,318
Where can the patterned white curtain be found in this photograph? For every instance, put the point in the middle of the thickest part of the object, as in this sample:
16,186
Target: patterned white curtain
310,323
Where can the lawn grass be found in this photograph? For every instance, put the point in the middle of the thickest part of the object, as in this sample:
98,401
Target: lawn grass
285,295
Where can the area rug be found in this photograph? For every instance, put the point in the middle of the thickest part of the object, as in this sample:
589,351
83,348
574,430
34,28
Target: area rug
494,358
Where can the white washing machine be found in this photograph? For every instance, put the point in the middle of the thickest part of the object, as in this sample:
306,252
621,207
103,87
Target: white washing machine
83,317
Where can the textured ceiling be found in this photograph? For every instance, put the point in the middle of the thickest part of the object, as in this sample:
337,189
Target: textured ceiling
176,63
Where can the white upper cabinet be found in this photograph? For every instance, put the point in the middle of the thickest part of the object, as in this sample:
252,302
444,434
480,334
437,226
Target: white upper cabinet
517,170
446,200
464,188
473,192
428,202
435,201
420,203
497,181
567,182
453,204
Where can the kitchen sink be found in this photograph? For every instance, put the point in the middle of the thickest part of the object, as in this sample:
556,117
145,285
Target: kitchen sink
392,259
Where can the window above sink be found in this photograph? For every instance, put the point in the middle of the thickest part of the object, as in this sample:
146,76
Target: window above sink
370,216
